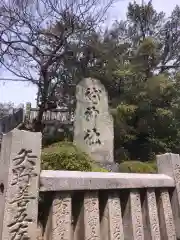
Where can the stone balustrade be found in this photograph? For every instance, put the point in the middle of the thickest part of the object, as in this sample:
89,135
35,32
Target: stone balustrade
109,206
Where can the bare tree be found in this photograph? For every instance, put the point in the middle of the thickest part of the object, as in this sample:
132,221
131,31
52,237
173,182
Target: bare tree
37,36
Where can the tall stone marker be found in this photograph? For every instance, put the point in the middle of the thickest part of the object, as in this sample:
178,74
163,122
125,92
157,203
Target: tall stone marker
19,184
93,124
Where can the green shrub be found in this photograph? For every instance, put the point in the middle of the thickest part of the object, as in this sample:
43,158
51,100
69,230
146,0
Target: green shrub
96,168
137,167
66,156
153,165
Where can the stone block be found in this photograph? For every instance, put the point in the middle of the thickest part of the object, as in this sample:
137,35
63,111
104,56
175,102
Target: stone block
19,181
74,180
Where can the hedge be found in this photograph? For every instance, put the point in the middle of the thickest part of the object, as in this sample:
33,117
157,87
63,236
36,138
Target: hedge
137,167
66,156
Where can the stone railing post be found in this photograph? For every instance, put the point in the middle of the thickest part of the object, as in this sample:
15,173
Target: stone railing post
19,185
169,164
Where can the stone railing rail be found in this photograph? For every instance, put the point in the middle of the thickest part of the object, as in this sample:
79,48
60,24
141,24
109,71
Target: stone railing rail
84,205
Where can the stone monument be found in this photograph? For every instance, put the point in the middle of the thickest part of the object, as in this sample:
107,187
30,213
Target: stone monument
93,124
19,178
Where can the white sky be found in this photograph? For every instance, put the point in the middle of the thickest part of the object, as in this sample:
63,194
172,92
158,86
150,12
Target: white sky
18,92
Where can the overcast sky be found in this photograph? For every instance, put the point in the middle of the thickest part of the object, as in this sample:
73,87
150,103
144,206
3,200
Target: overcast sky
18,92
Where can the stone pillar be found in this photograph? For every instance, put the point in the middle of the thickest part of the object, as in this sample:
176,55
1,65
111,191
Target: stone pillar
19,185
153,228
61,216
111,221
91,216
136,215
169,164
28,110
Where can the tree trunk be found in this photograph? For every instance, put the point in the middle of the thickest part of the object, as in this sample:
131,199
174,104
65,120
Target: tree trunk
38,124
